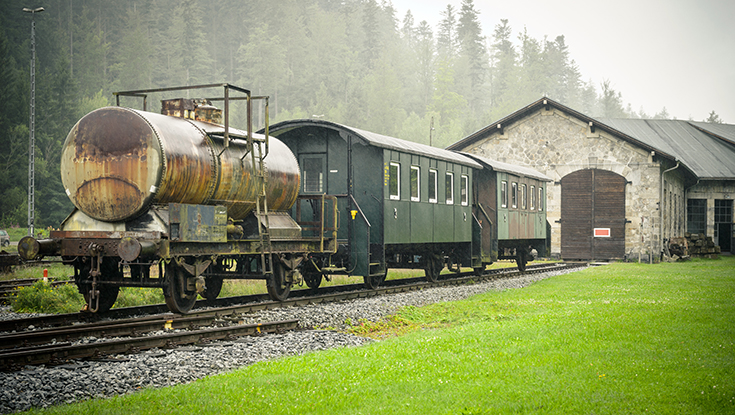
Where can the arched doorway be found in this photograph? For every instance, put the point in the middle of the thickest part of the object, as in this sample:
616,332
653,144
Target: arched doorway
593,215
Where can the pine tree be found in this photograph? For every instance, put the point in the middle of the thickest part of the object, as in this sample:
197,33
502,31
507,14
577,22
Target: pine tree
714,118
447,43
473,54
504,72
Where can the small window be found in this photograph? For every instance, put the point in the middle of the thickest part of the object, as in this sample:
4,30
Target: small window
313,168
533,198
540,199
449,188
415,183
432,186
394,180
514,195
504,194
697,215
524,198
463,190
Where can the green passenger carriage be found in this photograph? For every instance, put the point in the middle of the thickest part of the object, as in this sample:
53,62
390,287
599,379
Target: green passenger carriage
409,205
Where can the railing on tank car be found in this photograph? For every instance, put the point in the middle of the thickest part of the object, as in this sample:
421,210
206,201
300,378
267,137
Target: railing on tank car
226,98
323,226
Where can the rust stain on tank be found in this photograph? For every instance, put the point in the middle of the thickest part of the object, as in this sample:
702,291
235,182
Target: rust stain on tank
104,135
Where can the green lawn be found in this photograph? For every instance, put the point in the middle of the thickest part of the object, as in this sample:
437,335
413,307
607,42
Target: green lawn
617,339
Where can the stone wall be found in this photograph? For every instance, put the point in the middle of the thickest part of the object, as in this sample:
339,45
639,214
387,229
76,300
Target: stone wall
557,144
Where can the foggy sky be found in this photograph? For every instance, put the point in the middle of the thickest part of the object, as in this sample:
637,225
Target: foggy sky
657,53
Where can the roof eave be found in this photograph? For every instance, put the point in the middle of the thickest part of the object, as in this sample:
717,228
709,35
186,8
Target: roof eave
548,104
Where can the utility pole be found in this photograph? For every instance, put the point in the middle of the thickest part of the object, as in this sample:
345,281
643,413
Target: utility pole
32,126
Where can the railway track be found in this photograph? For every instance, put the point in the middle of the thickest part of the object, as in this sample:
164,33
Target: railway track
59,341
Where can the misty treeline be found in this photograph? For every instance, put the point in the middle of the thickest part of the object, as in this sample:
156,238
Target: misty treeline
354,62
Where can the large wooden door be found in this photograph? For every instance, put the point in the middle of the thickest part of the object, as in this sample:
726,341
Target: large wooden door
593,215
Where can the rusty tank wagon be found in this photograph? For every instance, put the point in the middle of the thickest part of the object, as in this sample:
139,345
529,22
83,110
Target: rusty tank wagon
184,193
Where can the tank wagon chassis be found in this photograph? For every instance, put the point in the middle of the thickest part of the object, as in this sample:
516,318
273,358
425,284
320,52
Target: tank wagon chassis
183,193
188,264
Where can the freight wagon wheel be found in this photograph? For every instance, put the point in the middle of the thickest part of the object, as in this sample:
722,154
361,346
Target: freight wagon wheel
213,284
433,267
313,280
373,281
521,259
312,277
278,287
107,293
214,287
178,298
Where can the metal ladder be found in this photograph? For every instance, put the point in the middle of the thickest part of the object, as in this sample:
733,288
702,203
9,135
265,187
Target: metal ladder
261,205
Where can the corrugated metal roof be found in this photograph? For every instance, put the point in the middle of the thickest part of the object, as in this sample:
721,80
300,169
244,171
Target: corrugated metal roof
707,157
723,131
510,168
379,140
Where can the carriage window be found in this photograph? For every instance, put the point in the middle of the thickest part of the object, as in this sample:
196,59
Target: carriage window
394,180
514,195
432,186
464,185
313,168
449,188
524,198
504,194
540,199
415,183
533,198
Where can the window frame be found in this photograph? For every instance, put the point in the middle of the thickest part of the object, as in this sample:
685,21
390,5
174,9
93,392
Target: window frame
464,190
305,173
524,196
449,199
416,169
435,182
697,215
396,180
514,195
540,199
504,193
532,205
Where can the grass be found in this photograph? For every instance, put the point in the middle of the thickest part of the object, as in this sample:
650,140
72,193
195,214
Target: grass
623,338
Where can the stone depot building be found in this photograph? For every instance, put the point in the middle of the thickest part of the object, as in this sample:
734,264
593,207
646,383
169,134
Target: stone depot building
621,186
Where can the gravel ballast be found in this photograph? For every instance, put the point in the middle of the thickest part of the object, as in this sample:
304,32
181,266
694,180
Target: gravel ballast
41,386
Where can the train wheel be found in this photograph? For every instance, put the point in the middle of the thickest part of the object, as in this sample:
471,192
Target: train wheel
213,285
107,293
178,299
312,277
313,280
373,281
433,267
278,287
521,259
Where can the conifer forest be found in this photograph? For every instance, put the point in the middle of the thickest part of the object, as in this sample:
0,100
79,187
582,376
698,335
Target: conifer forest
354,62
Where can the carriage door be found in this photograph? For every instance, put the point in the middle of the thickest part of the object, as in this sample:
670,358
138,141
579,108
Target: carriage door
593,215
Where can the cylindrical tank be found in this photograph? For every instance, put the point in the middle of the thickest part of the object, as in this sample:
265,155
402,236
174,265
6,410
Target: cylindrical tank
117,161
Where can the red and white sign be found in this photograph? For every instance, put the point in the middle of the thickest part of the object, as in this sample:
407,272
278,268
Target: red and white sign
602,232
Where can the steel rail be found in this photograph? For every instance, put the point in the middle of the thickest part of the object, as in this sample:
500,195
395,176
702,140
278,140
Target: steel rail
257,302
55,355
